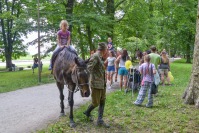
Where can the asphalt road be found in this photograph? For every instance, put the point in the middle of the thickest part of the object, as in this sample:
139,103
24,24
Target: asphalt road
32,109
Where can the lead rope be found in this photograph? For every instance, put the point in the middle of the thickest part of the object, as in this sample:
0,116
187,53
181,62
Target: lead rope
77,87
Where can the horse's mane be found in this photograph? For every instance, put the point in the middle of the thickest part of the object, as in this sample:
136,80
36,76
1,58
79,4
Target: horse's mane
69,55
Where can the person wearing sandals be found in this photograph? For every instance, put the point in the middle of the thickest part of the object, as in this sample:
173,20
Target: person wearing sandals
123,72
119,52
164,68
147,70
111,67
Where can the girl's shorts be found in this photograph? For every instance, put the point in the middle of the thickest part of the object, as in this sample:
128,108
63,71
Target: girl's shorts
111,68
122,71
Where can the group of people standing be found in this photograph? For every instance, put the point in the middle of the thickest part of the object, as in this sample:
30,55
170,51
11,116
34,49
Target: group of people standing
153,64
115,64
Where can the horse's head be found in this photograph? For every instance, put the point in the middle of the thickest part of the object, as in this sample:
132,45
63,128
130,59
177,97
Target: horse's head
80,76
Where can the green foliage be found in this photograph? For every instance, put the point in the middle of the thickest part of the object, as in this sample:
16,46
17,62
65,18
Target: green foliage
169,113
11,81
168,24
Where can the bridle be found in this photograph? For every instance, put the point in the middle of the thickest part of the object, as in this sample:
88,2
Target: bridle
78,85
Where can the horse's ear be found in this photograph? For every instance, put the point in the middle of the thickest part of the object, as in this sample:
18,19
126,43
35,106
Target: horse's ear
87,60
76,61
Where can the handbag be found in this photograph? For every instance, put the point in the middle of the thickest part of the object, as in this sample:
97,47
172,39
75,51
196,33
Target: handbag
142,83
156,78
170,76
154,88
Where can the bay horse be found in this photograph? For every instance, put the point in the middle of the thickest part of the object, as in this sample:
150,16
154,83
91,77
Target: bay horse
71,70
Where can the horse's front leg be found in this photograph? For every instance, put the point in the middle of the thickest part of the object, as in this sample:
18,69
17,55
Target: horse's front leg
61,88
71,103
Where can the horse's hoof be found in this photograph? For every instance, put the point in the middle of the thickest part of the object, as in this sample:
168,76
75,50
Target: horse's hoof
72,125
62,114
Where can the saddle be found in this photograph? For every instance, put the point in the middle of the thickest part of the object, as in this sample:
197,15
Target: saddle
55,54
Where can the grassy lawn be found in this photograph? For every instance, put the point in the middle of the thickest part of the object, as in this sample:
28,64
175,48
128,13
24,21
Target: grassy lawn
10,81
29,57
169,114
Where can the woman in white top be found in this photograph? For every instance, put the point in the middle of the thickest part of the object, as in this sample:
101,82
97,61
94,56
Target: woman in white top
123,72
111,67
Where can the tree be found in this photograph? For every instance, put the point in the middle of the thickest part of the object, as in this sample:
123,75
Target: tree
191,95
13,24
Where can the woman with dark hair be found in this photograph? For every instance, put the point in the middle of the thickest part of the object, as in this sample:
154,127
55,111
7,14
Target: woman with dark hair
122,72
111,67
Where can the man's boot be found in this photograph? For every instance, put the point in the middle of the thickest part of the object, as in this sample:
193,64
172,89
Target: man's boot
88,112
100,121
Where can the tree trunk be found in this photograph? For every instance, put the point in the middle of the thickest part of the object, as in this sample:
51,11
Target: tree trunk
191,94
188,57
8,55
69,13
81,43
110,11
89,32
7,36
188,50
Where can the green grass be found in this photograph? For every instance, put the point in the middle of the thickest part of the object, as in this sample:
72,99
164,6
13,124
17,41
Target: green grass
182,61
29,57
10,81
169,113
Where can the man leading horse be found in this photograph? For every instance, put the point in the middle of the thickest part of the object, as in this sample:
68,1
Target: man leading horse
98,84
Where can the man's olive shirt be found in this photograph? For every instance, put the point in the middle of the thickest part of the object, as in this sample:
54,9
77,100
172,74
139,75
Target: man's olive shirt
97,71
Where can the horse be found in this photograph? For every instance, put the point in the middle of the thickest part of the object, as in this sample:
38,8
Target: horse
71,70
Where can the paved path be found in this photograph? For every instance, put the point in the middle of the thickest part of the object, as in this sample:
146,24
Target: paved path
33,108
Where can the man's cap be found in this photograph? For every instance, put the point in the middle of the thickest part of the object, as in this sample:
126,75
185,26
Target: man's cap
102,46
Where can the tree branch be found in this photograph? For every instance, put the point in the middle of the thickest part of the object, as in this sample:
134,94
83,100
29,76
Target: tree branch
119,3
98,8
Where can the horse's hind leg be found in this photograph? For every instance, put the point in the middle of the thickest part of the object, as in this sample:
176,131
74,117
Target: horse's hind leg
71,103
61,88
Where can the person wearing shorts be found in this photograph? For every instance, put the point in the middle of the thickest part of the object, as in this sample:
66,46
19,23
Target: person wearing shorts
164,68
111,67
122,72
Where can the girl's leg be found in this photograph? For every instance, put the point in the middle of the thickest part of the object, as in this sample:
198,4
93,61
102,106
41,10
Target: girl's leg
125,83
121,80
150,97
162,79
111,77
108,76
56,49
162,76
142,94
116,73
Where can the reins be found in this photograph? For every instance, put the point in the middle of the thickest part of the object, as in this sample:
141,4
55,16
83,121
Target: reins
77,88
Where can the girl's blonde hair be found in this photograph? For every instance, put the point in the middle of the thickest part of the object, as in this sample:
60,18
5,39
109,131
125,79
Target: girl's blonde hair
147,58
63,22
